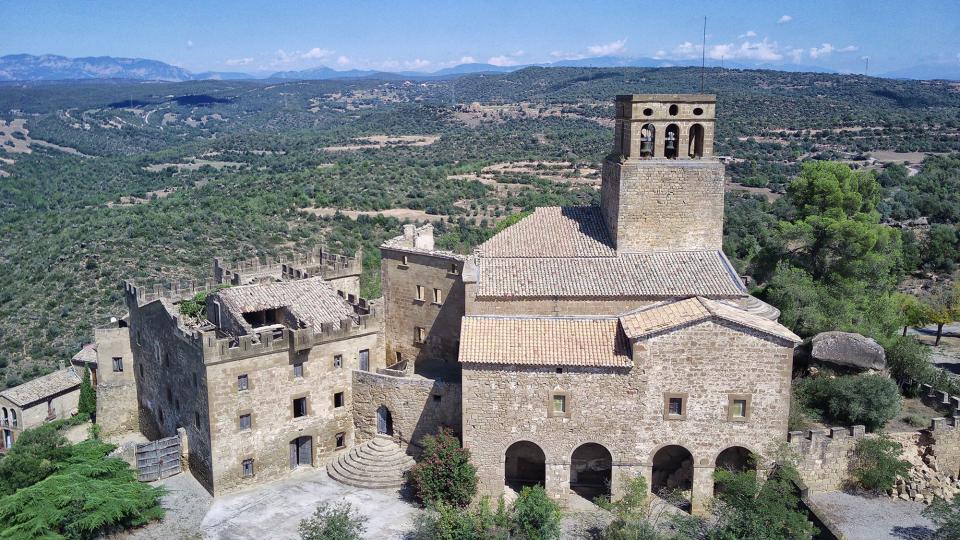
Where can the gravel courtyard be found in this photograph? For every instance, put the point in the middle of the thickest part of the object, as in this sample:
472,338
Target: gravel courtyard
880,518
274,510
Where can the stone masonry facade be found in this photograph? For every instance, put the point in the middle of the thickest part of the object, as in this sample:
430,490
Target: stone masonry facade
575,349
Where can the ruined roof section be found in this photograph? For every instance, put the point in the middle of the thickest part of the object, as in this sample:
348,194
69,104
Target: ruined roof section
653,274
42,388
311,301
658,318
543,341
405,243
570,231
87,354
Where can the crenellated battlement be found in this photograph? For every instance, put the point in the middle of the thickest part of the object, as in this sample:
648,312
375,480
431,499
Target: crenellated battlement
817,437
319,261
172,291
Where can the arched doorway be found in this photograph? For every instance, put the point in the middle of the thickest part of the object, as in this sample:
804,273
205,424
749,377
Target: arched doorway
301,452
672,472
671,142
524,465
695,144
384,421
590,471
734,459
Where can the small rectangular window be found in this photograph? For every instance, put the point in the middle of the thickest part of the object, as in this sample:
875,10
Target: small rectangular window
247,468
338,400
365,360
453,269
299,407
676,406
436,398
420,293
338,361
420,334
341,440
243,382
117,363
739,408
245,422
196,420
298,370
437,296
141,370
560,403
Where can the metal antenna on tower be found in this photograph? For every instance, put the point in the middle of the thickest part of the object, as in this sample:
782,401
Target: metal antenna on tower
866,68
703,53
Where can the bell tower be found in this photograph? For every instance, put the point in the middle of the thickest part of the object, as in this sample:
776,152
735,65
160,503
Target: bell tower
662,188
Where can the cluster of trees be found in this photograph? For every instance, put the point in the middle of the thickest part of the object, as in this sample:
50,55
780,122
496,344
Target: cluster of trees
50,488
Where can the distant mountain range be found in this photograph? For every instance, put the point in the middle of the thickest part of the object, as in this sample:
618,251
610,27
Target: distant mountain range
26,67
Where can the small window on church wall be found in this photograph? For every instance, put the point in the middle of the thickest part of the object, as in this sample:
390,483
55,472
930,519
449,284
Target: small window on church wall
674,110
437,296
697,111
738,408
247,468
675,406
559,404
117,363
420,292
420,334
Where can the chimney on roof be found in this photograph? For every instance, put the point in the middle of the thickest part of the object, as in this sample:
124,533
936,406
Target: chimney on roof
424,237
409,231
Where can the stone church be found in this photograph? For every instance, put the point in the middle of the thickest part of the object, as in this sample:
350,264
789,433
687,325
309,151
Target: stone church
575,349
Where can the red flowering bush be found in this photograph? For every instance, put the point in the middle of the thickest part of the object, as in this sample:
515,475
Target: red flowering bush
444,472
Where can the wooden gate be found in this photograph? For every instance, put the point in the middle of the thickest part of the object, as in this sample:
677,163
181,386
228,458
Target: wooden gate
158,459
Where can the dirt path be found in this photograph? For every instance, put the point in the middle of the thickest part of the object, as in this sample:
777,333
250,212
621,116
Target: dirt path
399,213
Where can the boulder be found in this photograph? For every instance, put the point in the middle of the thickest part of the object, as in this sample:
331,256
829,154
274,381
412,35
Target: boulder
848,350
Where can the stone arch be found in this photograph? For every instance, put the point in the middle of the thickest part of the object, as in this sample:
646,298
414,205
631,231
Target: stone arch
735,459
13,417
524,464
648,140
671,142
384,421
591,471
672,470
695,141
5,414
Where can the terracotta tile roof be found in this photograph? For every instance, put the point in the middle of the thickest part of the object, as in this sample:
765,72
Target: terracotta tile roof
310,301
41,388
87,354
652,274
572,231
543,341
650,320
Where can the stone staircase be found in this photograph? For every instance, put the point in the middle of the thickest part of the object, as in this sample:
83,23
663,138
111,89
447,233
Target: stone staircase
376,464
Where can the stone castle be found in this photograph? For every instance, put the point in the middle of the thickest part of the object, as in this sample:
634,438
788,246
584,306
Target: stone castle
575,349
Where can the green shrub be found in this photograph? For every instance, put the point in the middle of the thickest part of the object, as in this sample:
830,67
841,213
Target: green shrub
85,495
750,508
446,522
535,515
333,522
877,463
946,516
88,397
33,458
634,518
871,400
444,472
916,420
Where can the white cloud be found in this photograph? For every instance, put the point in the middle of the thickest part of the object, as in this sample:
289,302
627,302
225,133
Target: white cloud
238,61
317,53
467,60
416,63
849,48
748,33
342,60
763,50
824,50
190,43
795,55
506,59
784,19
607,49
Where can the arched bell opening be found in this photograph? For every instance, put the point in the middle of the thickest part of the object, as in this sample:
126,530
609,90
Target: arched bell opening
671,142
695,144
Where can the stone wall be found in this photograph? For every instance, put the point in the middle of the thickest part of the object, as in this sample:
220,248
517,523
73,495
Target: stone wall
417,405
34,414
661,204
623,409
404,312
272,387
117,410
824,456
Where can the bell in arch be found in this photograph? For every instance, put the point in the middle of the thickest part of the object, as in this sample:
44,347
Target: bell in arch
671,141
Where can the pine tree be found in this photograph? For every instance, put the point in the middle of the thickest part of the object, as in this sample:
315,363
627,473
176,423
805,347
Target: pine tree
88,397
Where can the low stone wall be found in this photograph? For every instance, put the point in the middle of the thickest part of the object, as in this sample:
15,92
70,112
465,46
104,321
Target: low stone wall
824,456
418,406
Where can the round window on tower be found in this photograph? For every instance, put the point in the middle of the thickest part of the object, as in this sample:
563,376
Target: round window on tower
674,110
648,111
698,111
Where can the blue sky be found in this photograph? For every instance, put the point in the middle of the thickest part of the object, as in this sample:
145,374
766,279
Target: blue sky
244,35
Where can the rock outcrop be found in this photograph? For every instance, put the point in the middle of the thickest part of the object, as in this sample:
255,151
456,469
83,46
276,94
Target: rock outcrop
848,350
